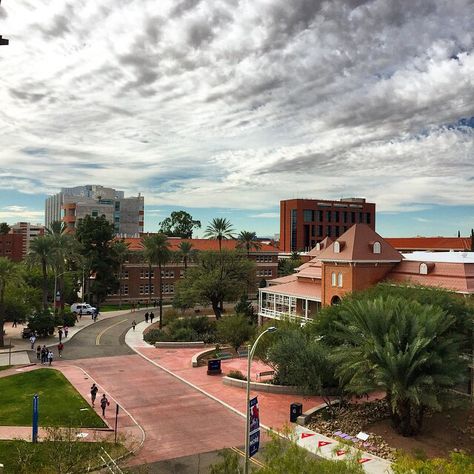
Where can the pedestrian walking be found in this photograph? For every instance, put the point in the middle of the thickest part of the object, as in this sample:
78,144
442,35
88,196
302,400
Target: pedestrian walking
60,349
38,352
44,355
151,317
146,316
134,323
60,334
138,305
32,341
104,403
50,357
80,313
94,390
15,322
66,331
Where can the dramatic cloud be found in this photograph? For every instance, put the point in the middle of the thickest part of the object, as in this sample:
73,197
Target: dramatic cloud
216,103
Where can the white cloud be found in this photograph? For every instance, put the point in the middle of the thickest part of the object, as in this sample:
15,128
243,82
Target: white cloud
267,215
213,103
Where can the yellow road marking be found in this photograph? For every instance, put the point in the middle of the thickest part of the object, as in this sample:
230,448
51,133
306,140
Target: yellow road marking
241,453
97,339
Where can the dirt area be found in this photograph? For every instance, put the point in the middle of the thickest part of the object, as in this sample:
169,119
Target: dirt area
442,433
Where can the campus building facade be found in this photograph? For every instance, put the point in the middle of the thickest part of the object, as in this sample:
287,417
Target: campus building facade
28,233
305,222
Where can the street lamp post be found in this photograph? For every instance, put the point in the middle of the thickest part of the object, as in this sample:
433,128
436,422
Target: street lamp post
251,352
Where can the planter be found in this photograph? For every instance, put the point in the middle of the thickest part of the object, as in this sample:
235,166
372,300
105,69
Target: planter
179,344
263,387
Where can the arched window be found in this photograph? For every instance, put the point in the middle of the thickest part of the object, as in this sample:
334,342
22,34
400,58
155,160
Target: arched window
318,246
333,279
377,247
339,280
423,269
337,247
335,300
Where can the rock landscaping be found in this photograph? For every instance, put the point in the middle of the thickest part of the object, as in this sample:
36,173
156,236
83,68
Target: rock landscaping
353,418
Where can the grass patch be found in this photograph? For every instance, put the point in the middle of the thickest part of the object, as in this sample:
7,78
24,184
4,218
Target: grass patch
22,457
59,402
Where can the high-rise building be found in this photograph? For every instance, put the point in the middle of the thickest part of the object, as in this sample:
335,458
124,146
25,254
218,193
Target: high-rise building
71,205
28,233
305,222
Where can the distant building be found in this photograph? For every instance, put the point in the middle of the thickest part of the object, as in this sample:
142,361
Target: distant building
305,222
11,246
28,233
430,244
73,204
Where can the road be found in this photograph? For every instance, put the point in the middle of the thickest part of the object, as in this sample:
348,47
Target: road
178,420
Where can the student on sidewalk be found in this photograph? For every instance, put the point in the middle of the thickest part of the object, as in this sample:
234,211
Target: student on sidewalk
60,334
151,317
60,349
50,357
134,323
94,390
146,317
38,352
104,403
66,331
32,341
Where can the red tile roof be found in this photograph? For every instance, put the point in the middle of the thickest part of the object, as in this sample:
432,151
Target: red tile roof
310,290
430,243
134,244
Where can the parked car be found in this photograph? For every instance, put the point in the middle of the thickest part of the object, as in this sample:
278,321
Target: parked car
83,308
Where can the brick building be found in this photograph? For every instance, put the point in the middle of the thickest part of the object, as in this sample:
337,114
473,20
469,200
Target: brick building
305,222
11,246
28,233
430,244
134,279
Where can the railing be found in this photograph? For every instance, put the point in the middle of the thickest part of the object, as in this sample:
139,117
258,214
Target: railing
270,313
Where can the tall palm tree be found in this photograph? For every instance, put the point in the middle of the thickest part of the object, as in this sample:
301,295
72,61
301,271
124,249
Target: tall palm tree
9,275
248,240
407,349
186,253
42,252
122,253
219,229
156,251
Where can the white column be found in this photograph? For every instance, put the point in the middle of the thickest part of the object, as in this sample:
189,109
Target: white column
306,310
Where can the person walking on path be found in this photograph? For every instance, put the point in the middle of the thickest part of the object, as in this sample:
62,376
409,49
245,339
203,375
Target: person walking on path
66,331
50,357
38,352
104,403
15,322
60,349
44,355
60,334
94,390
32,341
80,313
146,316
151,317
134,323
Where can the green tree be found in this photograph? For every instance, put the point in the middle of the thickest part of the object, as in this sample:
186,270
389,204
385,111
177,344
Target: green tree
186,253
122,253
230,463
234,330
9,276
218,276
245,308
156,251
42,253
179,224
248,241
402,347
4,228
219,229
96,234
287,266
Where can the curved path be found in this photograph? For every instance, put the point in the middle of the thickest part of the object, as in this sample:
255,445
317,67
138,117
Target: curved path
177,419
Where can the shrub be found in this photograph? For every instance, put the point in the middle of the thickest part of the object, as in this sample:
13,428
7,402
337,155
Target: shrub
155,335
65,319
185,335
234,330
42,323
236,374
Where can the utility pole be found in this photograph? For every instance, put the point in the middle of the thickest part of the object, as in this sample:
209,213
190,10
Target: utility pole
3,41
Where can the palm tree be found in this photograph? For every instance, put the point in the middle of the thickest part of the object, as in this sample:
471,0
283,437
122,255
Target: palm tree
120,248
9,275
186,253
42,252
156,251
248,240
219,229
407,349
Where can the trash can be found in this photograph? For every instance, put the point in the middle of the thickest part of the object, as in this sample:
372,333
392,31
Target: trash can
296,410
214,367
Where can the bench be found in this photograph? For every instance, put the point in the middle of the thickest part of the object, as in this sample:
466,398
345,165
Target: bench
265,373
243,353
223,355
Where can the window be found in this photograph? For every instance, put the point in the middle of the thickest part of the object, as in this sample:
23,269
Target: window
361,217
339,280
293,229
320,230
94,213
338,231
167,273
328,231
337,247
377,247
328,216
333,279
145,274
124,289
307,215
181,274
144,289
336,216
353,217
167,288
367,217
264,273
344,217
124,275
320,216
423,269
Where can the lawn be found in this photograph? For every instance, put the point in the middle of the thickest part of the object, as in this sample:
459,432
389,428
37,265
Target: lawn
22,457
59,402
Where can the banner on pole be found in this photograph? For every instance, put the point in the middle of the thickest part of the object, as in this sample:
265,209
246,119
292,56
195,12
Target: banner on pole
34,436
254,427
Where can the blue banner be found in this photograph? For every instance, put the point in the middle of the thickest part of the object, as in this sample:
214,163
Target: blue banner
254,427
34,436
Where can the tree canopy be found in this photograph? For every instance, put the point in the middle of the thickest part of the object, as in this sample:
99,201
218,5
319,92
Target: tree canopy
219,229
179,224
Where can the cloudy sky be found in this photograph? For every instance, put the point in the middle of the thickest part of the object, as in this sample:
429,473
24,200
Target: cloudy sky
225,107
